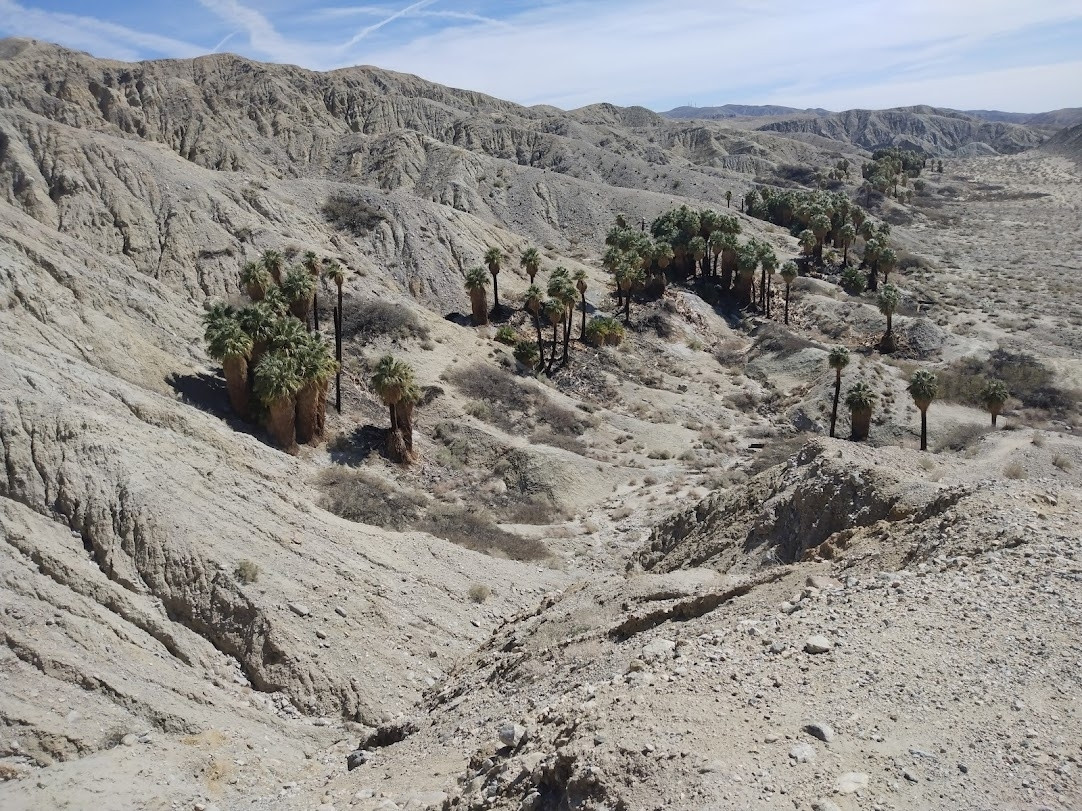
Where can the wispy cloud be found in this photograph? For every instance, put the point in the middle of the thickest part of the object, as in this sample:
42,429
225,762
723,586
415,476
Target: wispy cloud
90,33
836,53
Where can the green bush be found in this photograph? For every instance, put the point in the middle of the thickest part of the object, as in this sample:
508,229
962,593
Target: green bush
526,353
853,281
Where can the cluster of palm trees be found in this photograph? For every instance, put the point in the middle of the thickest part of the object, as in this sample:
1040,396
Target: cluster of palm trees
555,306
277,367
394,383
923,388
890,168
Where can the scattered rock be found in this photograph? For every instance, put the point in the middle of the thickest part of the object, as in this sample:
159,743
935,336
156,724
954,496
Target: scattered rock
823,732
512,734
300,609
851,783
817,644
802,753
358,757
823,583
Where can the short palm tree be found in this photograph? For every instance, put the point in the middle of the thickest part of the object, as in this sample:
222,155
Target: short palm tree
277,381
287,335
273,262
531,261
232,347
579,278
255,279
788,275
258,320
993,396
275,299
316,368
923,388
888,300
476,286
493,259
299,288
728,198
838,359
393,382
887,259
860,399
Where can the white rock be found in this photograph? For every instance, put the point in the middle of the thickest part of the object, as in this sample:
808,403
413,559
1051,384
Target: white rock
817,644
851,783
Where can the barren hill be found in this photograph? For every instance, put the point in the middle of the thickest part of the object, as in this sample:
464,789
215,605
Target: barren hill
645,578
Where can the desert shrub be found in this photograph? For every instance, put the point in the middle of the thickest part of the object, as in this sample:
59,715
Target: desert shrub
247,572
357,495
1062,462
853,280
496,387
659,323
506,335
535,511
369,320
475,529
774,337
1026,379
352,214
775,452
730,352
960,437
1014,471
526,353
479,593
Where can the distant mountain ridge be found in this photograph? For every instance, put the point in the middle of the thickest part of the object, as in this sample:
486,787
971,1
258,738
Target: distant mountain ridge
1064,117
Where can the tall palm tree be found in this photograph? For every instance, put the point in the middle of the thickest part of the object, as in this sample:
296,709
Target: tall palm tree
769,263
277,381
696,251
299,288
993,396
476,284
533,304
819,224
393,382
232,347
807,243
628,274
662,255
838,359
316,368
730,260
493,259
846,234
531,261
887,260
562,289
716,244
860,399
273,262
255,279
888,300
728,198
554,311
747,263
923,387
579,278
337,274
788,275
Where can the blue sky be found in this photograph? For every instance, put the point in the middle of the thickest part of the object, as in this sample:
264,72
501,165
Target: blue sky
838,54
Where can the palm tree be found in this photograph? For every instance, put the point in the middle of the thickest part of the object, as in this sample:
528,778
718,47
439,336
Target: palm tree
533,304
728,198
287,335
716,243
730,260
277,381
993,396
258,320
232,347
554,311
275,299
819,225
923,388
255,279
846,234
696,250
580,284
493,258
788,275
531,261
312,265
299,288
807,243
337,274
628,274
663,255
476,282
316,367
887,300
562,289
887,259
393,382
838,359
769,262
273,262
747,263
860,399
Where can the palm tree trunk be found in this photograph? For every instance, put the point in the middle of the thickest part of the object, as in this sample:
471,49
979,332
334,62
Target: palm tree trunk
338,353
307,409
995,414
405,425
555,344
862,419
924,429
321,409
582,333
540,340
479,306
567,332
762,291
837,396
845,255
627,308
495,293
281,423
315,311
236,383
787,305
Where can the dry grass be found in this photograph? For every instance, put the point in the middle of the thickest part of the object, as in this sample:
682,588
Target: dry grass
1014,471
247,572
